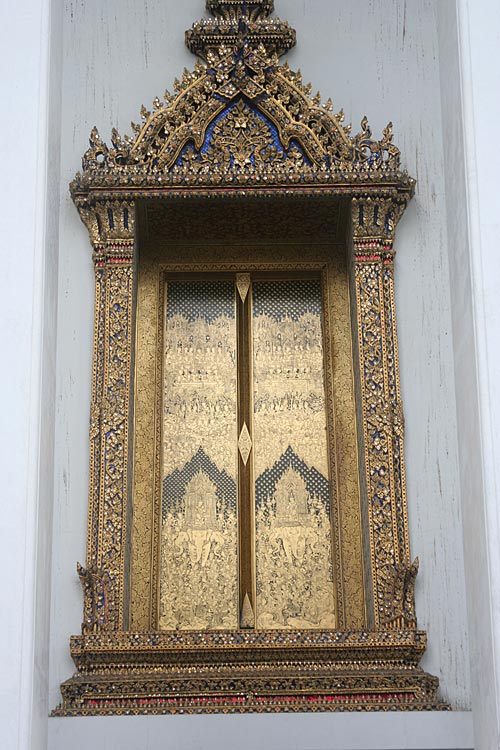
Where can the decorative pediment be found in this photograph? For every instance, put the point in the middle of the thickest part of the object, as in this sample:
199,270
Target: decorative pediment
241,118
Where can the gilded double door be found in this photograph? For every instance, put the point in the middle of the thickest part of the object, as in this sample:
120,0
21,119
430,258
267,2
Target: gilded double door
246,526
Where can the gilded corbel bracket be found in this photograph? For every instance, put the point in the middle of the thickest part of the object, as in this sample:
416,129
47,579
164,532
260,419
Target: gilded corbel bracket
110,223
111,226
375,217
400,598
95,600
374,221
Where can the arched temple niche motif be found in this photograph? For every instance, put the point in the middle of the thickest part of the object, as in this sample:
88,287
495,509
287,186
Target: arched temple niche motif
243,126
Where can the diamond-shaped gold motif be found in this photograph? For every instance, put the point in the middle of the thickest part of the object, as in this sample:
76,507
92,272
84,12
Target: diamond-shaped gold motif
245,444
243,285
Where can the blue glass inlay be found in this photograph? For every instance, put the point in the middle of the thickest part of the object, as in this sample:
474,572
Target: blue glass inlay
274,133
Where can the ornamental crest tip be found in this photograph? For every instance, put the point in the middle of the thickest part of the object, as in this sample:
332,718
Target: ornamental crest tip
238,23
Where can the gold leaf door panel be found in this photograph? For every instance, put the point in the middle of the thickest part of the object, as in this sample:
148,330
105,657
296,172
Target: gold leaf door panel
294,569
198,568
283,529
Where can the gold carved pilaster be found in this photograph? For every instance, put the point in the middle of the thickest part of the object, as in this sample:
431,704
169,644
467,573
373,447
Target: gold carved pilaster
111,229
374,220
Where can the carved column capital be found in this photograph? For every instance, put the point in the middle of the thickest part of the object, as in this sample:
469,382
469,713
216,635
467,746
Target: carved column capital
375,218
111,227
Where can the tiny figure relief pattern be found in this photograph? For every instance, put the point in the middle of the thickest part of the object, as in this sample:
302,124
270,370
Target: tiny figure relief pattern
294,567
198,586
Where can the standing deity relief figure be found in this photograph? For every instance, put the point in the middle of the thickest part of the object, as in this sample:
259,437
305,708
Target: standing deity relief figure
200,530
292,525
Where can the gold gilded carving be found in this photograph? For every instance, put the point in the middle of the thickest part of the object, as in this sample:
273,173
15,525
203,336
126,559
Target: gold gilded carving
110,223
243,138
292,488
289,392
294,571
109,425
341,411
198,581
376,432
374,217
146,487
226,28
400,512
95,421
95,607
400,598
381,401
293,671
94,516
274,95
199,561
245,444
295,224
279,97
345,507
114,435
200,374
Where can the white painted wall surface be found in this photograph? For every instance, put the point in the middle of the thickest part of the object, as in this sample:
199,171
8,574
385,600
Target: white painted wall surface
378,57
29,195
376,731
469,41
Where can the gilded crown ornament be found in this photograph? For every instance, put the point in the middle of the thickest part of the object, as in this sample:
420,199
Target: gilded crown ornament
238,22
229,8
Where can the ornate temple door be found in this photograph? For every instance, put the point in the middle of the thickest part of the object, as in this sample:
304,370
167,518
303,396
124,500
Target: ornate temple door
248,545
246,534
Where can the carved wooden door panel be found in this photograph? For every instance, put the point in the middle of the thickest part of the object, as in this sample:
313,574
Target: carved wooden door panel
246,535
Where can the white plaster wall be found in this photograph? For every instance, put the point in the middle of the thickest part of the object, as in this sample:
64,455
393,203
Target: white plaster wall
469,36
378,57
30,46
432,730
